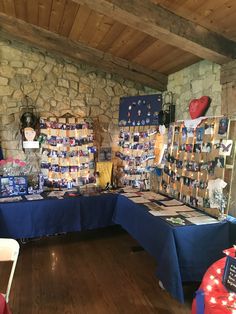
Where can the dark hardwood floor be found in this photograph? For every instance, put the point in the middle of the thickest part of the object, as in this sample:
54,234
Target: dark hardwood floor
95,272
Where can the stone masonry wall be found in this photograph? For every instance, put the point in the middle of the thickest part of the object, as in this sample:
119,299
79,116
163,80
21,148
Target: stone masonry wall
56,86
199,79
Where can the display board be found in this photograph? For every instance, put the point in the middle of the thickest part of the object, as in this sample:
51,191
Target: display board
140,110
136,151
195,161
67,151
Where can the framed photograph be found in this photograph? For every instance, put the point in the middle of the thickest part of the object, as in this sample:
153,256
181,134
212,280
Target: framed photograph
13,186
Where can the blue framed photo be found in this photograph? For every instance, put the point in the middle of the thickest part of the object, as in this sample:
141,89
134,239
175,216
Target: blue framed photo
13,186
229,277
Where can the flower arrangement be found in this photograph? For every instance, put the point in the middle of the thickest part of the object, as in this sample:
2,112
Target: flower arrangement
13,167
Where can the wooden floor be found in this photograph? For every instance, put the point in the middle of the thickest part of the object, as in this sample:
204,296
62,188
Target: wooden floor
96,272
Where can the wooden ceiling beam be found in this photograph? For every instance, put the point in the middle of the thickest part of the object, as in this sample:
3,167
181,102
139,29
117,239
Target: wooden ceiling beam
11,28
164,25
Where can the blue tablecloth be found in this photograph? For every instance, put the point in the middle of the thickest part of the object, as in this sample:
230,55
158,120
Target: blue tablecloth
182,253
29,219
232,229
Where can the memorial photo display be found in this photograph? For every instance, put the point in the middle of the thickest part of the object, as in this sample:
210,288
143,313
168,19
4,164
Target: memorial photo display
194,157
140,110
67,151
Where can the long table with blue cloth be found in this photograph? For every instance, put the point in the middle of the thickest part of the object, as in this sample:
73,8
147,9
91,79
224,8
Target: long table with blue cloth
182,253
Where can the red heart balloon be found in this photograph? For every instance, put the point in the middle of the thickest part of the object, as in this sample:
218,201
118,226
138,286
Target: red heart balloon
198,107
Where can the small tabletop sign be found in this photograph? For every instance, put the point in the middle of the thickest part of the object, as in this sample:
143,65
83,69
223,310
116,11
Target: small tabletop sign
229,277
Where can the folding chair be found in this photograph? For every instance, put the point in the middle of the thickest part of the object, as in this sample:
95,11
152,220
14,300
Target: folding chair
9,251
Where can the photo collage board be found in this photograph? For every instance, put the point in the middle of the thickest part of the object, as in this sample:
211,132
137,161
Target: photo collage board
193,157
67,152
142,110
137,153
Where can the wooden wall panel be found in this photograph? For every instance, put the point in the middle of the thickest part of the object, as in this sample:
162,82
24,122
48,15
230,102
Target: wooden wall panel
32,12
218,16
44,9
56,15
9,7
102,29
111,36
142,46
21,9
68,17
92,23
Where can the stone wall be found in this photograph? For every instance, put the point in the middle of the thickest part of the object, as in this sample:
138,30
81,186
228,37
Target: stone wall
202,78
56,86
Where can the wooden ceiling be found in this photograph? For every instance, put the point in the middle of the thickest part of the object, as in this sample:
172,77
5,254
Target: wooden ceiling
143,40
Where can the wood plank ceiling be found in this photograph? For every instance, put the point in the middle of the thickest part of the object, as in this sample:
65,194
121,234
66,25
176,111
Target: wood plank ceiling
144,40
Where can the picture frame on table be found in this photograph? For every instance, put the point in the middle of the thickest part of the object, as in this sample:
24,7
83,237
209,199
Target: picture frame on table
13,186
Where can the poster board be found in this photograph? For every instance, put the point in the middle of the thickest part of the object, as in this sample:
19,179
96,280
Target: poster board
67,152
139,110
195,156
137,154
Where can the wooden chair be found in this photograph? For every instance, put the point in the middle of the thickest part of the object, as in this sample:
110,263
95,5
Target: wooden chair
9,251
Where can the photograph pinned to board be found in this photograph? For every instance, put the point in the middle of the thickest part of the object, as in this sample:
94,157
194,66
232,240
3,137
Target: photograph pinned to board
140,110
226,147
223,126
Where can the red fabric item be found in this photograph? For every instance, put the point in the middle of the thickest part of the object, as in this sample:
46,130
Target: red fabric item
198,107
218,293
4,309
